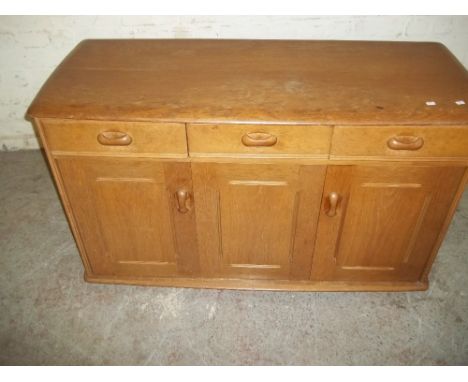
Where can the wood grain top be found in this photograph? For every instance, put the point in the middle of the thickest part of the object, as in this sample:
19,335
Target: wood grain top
257,81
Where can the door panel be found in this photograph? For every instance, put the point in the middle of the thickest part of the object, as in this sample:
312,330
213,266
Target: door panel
257,221
126,215
243,202
386,221
375,209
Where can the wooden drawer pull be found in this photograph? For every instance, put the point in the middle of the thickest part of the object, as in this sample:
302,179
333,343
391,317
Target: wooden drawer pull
405,142
333,199
259,139
182,196
114,138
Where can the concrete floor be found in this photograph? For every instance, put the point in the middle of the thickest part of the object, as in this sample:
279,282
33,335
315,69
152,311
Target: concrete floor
49,315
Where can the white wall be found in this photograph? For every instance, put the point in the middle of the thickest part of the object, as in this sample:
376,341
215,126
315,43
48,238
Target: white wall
32,46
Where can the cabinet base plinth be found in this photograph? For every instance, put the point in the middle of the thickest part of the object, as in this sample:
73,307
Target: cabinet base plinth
267,285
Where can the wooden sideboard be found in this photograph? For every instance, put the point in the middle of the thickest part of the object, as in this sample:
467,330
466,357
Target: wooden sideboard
281,165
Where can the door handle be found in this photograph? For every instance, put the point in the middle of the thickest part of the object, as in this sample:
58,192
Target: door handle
259,139
333,200
182,196
405,142
114,138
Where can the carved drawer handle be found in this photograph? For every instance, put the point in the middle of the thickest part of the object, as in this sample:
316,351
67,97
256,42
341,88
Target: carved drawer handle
333,200
405,142
259,139
182,196
114,138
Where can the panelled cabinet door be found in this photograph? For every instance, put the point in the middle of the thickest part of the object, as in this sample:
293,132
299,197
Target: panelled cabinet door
380,223
134,216
257,221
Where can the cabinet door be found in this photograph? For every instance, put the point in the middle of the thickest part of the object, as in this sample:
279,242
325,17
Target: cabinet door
381,223
257,221
134,216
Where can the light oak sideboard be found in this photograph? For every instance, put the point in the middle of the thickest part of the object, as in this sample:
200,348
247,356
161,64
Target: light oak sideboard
279,165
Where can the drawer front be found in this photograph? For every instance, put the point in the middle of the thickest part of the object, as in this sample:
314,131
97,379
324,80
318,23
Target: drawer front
400,142
259,140
115,138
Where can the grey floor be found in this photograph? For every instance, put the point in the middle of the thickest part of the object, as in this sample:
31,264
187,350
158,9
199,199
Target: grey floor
49,315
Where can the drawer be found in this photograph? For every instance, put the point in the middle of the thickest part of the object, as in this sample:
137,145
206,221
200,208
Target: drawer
115,138
259,140
400,142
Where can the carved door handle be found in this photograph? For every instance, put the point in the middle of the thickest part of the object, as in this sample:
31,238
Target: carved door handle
259,139
333,200
182,196
114,138
405,142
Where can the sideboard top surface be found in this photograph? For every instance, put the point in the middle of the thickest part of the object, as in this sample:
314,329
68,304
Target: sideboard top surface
257,81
